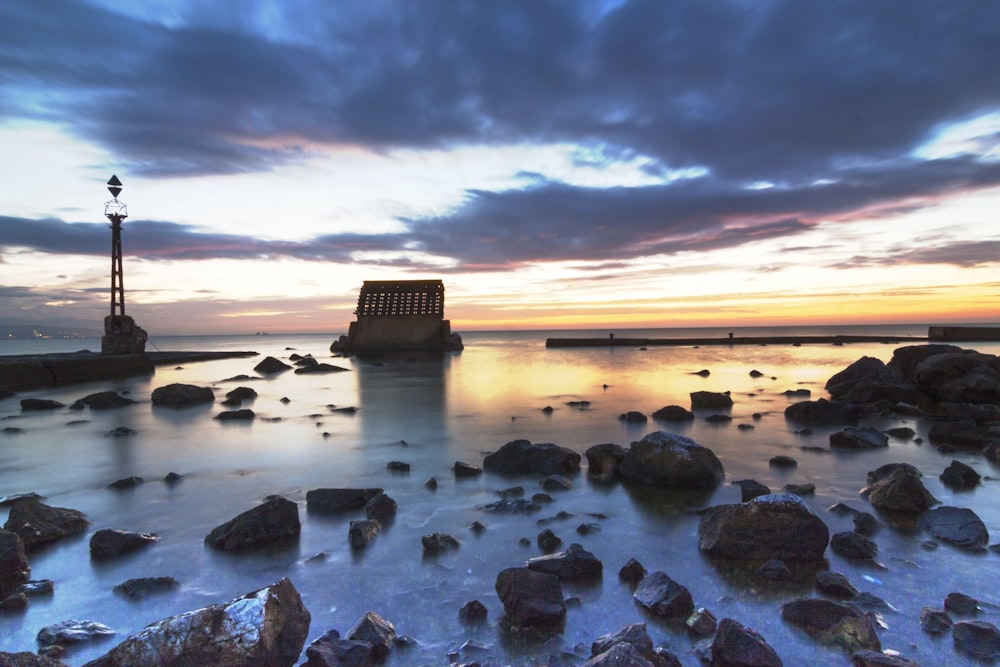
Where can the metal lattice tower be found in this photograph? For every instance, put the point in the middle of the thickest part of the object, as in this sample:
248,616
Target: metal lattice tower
116,212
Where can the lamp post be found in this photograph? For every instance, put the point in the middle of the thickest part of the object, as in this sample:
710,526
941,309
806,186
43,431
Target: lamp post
121,335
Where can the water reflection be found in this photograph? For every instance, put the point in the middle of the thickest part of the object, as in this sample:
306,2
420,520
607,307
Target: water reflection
403,390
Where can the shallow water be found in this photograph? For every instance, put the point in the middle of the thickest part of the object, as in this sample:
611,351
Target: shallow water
431,413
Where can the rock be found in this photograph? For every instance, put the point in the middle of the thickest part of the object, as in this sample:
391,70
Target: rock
961,433
14,568
574,564
557,483
966,376
662,596
327,501
108,543
398,466
778,526
548,541
958,526
40,404
361,533
710,399
72,632
633,634
782,461
243,414
864,370
330,650
274,520
833,623
242,394
26,659
978,639
319,369
144,586
898,488
962,604
866,524
472,613
866,658
521,457
835,584
438,542
960,476
853,546
431,484
511,506
120,432
619,655
858,438
934,621
718,419
736,645
633,417
905,360
462,469
104,400
375,630
172,478
38,523
381,508
671,460
632,572
800,489
603,460
179,395
531,600
821,413
270,365
265,627
750,489
701,623
674,413
126,483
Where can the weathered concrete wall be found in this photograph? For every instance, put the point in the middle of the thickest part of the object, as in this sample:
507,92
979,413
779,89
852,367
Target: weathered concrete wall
398,332
960,334
54,370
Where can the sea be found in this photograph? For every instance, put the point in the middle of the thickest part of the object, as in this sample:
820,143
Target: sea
432,413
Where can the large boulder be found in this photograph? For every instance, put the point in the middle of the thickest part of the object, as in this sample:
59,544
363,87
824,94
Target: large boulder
961,377
736,645
711,399
375,630
521,457
574,564
959,526
905,359
276,519
38,523
864,370
179,395
833,623
776,526
671,460
267,627
603,460
531,600
897,488
108,543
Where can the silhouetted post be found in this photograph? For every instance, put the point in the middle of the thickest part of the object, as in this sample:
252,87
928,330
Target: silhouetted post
121,335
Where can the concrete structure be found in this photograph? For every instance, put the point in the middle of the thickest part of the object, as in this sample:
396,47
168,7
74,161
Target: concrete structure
963,334
399,315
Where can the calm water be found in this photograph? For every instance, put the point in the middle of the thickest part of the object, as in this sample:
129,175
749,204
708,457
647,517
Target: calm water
431,414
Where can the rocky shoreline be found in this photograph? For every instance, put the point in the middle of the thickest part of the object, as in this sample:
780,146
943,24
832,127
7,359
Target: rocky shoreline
774,537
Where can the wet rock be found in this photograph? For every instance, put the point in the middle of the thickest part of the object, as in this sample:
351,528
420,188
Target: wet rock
557,483
574,564
178,395
965,376
37,523
965,434
270,365
431,484
361,533
833,623
674,413
962,604
662,596
37,588
866,524
7,501
934,621
242,394
854,546
438,542
144,586
511,506
14,568
381,508
633,417
14,602
72,632
548,541
398,466
477,528
778,526
958,526
108,543
328,501
462,469
736,645
821,413
265,627
40,404
531,600
897,488
603,461
634,634
619,655
978,639
521,457
718,419
126,483
319,369
472,613
375,630
702,623
866,658
632,572
782,461
711,399
671,460
104,400
858,438
277,519
835,584
867,370
750,489
330,650
960,476
241,415
806,489
172,478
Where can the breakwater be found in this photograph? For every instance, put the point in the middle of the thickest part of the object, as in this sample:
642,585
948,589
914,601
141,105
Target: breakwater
54,370
612,341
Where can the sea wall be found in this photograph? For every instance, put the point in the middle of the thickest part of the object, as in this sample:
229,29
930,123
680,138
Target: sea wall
38,372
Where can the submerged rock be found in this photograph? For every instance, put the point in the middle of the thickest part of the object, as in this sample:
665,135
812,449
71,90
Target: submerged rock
671,460
897,487
179,395
265,627
144,586
104,400
777,526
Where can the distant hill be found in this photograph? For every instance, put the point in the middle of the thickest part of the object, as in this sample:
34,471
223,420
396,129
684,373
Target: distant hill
47,331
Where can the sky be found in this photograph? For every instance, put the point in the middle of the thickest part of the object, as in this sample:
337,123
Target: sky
558,164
